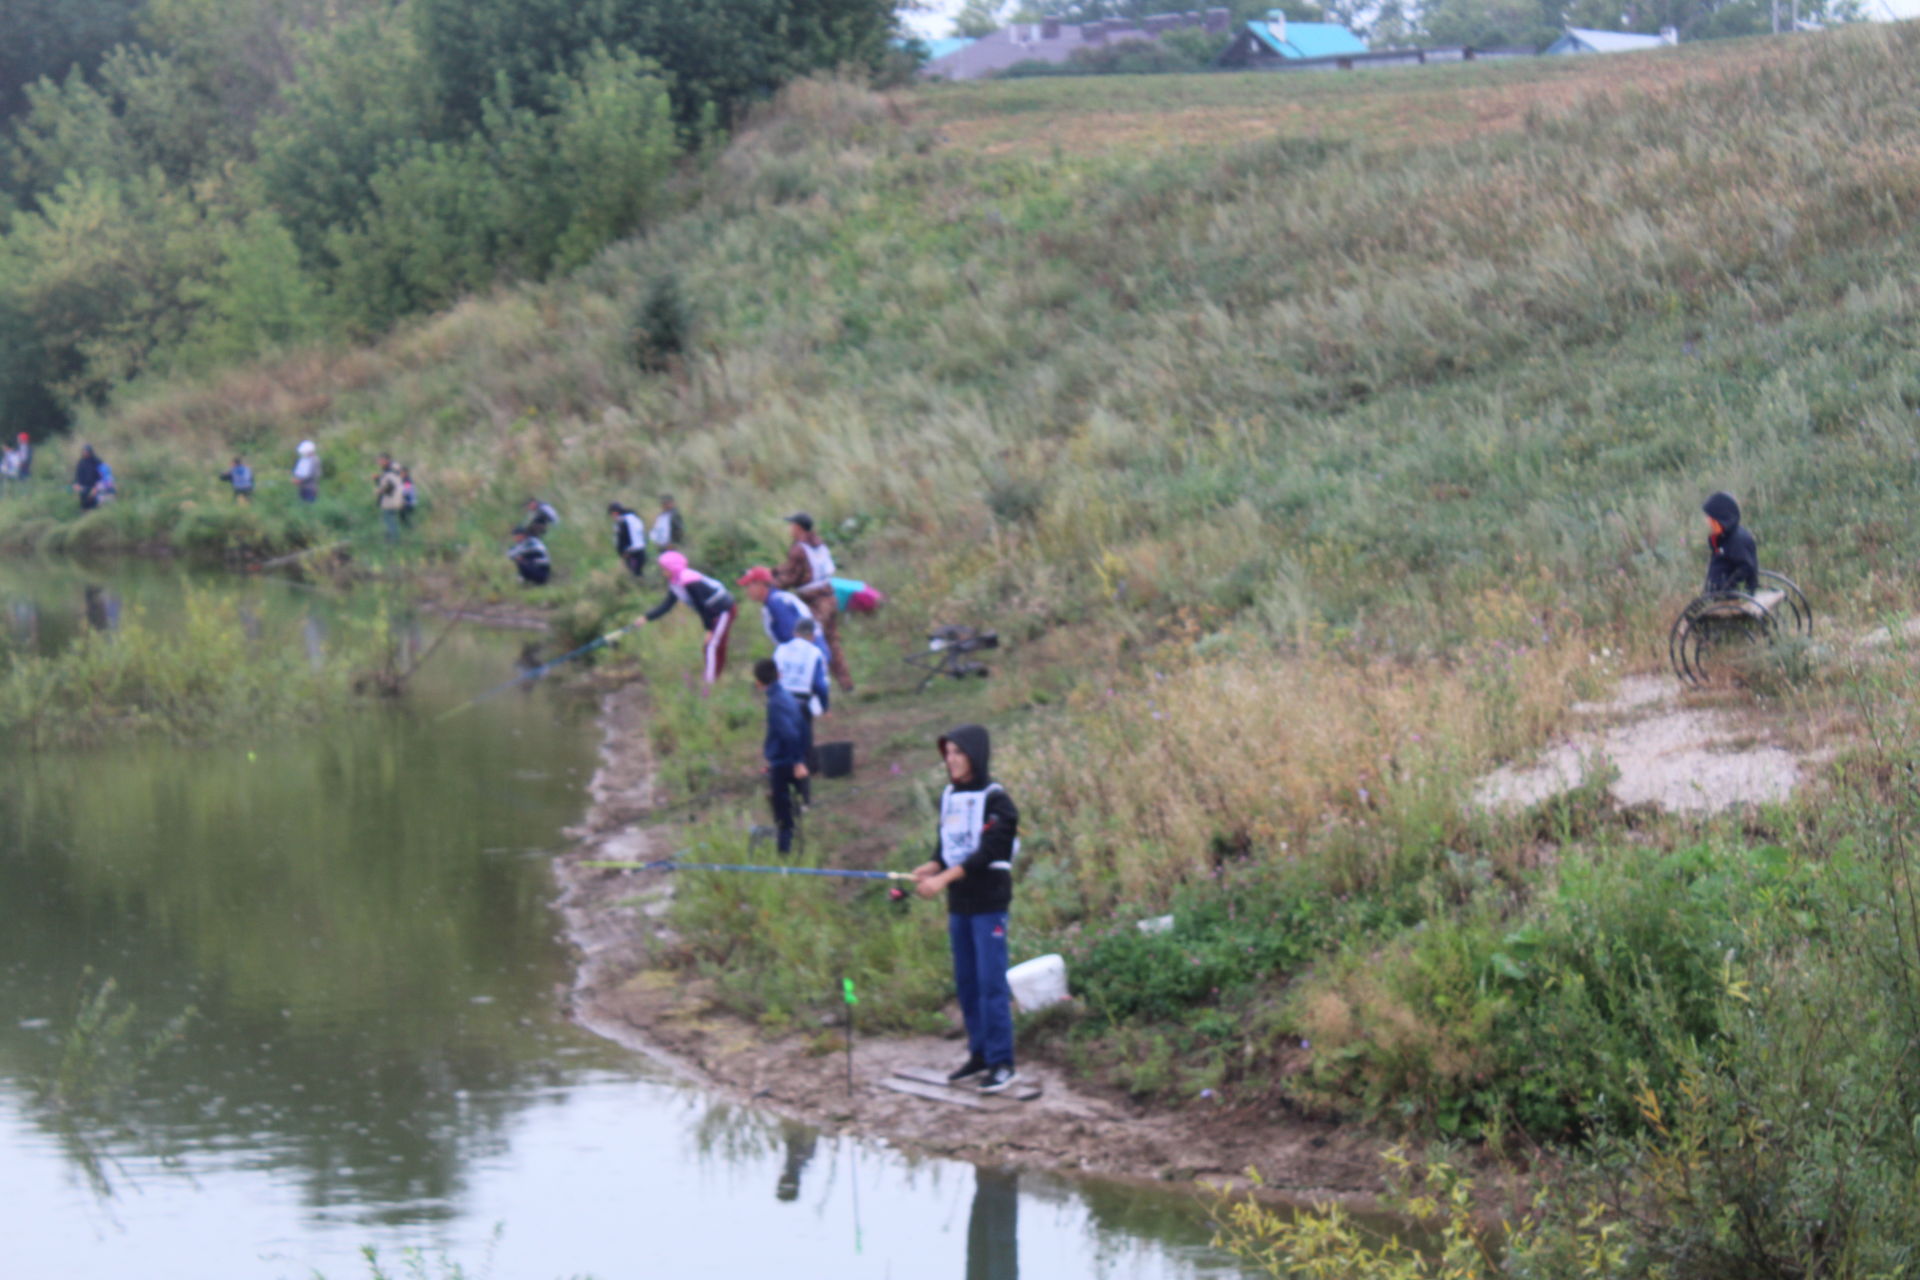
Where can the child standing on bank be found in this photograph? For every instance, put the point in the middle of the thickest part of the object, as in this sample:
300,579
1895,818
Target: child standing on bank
978,839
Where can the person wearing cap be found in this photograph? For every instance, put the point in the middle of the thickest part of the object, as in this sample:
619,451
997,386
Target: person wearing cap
711,602
808,572
629,538
24,458
779,609
973,854
529,556
306,471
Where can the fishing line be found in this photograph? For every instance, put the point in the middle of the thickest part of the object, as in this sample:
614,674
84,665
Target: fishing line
674,864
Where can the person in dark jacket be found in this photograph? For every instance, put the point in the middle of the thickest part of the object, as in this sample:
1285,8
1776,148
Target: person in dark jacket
1733,561
529,556
630,539
978,839
712,602
785,749
87,477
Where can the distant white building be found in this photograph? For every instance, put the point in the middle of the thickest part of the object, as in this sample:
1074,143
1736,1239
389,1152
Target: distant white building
1586,40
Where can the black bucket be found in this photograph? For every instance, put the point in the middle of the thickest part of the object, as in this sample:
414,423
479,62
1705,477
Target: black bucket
836,759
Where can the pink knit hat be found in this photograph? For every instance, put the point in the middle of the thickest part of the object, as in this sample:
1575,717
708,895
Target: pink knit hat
674,565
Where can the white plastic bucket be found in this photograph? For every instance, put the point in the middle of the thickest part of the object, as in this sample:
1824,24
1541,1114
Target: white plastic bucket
1038,982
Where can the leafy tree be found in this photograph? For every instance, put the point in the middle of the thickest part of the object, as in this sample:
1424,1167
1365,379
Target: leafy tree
721,54
978,18
362,92
49,38
257,296
97,267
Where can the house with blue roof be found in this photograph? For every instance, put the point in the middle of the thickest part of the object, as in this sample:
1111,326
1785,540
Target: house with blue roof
1272,39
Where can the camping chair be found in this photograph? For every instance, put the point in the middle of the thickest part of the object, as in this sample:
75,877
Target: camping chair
1714,622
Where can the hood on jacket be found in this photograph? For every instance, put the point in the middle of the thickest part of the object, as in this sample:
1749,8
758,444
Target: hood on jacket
973,740
674,565
1723,508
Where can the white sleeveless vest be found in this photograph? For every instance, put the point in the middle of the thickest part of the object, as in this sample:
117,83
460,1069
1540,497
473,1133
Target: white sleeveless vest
962,815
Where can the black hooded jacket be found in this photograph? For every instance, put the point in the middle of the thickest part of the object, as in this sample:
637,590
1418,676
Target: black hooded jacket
984,887
1734,560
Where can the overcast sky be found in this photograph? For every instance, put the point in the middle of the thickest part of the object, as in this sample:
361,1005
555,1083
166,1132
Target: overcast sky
936,19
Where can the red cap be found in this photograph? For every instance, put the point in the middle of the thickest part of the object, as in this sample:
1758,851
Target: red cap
759,573
23,435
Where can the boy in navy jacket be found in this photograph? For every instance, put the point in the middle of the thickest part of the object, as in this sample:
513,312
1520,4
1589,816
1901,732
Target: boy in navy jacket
785,749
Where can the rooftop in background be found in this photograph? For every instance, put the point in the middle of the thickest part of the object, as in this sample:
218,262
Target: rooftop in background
948,45
1275,36
1587,40
1054,41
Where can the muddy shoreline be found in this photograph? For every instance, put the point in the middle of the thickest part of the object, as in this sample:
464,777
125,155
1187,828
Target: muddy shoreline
615,922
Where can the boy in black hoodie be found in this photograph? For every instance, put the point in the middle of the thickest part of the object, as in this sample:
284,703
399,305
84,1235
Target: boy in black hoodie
979,836
1733,561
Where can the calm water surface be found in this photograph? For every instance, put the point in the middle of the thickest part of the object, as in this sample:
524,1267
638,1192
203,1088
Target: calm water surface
360,915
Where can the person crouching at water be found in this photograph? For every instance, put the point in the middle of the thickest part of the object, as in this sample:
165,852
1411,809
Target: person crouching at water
785,749
529,556
978,838
712,602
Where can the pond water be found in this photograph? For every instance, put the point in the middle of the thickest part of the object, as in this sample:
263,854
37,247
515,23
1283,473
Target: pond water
359,915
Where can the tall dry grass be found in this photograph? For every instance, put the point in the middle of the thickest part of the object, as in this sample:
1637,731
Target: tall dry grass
1364,765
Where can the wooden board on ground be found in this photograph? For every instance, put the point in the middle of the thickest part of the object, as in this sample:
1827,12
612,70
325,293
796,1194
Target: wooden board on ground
1022,1091
971,1099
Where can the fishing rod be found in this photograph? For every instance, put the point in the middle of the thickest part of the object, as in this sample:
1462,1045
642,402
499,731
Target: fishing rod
674,864
534,673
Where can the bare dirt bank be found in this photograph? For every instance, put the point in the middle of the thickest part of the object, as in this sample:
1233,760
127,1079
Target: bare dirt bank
615,920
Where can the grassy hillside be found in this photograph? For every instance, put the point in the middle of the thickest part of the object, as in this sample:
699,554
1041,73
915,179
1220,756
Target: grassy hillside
1311,439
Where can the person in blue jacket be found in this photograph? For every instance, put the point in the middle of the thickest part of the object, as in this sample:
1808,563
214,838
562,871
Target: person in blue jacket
779,610
240,476
785,749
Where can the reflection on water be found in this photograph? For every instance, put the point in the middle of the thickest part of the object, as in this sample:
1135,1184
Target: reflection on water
359,912
993,1226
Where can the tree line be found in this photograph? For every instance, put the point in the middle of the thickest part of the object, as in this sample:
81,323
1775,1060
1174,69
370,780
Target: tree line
189,182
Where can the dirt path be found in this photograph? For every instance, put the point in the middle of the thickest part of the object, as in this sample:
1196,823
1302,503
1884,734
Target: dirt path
616,920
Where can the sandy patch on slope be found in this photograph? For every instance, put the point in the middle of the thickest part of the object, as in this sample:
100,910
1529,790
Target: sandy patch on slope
1675,758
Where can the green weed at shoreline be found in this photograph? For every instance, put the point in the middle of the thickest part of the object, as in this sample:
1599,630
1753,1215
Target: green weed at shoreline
184,682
